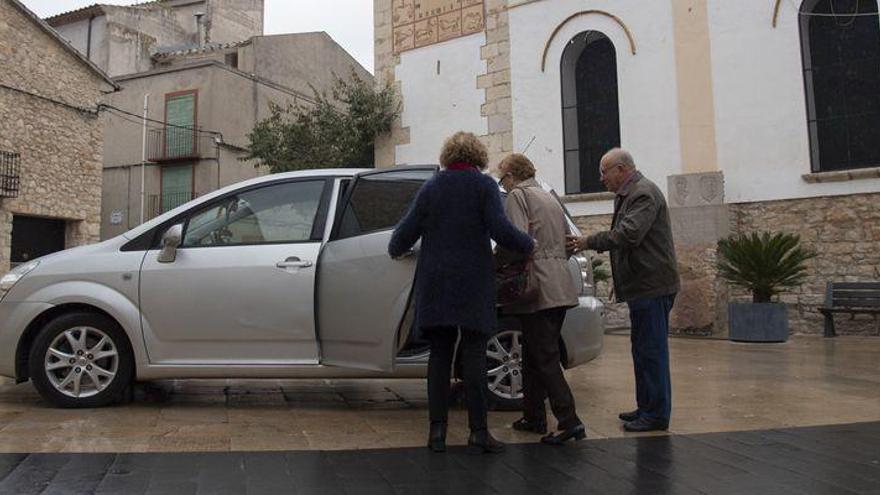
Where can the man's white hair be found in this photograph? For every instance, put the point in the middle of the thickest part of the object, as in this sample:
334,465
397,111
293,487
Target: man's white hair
621,156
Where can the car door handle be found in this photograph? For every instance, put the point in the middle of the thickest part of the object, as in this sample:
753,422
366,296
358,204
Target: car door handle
293,262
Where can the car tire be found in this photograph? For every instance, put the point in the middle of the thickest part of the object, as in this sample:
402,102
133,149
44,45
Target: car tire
81,360
504,370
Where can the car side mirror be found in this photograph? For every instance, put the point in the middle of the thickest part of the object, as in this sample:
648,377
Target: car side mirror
170,241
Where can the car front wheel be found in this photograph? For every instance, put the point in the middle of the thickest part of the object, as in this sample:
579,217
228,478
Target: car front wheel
504,370
81,360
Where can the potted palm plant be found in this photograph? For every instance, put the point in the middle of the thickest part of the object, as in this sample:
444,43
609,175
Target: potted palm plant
766,264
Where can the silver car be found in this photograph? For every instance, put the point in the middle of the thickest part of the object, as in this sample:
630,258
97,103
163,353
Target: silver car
283,276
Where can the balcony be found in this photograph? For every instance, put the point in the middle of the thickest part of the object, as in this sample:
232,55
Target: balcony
179,144
158,204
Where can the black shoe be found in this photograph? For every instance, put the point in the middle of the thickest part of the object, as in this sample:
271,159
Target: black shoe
575,433
629,416
642,424
482,442
523,424
437,437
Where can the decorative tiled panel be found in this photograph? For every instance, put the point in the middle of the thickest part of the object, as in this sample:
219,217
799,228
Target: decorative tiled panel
419,23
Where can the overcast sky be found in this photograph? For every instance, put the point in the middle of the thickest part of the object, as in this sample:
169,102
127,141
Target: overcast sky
349,22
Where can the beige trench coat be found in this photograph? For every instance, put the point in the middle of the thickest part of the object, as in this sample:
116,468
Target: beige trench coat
532,209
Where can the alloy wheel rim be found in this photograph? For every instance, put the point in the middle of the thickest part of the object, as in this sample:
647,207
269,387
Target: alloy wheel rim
504,354
81,362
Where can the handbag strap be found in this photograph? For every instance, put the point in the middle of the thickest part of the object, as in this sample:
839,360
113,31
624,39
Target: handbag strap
525,196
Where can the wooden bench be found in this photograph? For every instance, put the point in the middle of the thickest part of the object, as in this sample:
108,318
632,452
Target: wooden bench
852,298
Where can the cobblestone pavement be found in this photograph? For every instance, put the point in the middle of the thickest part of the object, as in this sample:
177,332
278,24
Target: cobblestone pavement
718,386
831,459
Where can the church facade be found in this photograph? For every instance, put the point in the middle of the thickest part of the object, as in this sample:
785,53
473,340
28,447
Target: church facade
758,115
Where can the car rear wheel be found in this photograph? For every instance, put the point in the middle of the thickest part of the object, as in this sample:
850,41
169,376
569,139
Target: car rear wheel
81,360
504,370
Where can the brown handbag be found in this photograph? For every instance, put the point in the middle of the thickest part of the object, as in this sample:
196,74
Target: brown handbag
514,281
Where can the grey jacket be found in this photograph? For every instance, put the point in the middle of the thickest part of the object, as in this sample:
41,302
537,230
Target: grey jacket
643,260
532,209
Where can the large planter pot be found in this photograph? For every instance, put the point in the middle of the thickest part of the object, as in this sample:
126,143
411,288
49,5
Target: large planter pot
758,322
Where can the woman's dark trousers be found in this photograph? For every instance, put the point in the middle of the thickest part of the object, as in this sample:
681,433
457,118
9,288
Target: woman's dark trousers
542,371
473,361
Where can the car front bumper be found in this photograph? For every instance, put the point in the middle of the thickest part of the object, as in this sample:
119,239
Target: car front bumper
583,331
14,319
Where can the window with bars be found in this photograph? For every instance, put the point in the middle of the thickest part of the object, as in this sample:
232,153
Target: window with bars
590,109
840,43
10,174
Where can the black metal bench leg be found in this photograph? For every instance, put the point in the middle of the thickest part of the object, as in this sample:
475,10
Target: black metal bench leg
829,325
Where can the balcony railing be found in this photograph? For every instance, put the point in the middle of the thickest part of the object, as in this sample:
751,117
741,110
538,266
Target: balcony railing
178,143
158,204
10,174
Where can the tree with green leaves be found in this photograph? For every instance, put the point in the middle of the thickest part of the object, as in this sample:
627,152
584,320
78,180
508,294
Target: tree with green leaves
765,263
338,130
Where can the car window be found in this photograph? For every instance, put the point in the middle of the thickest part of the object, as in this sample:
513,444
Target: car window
379,201
272,214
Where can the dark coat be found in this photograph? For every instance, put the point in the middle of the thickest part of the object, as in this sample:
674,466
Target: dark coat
640,241
455,213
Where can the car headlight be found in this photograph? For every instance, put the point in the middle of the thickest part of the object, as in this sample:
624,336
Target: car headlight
14,275
586,275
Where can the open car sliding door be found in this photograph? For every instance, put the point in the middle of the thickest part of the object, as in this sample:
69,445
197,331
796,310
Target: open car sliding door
363,293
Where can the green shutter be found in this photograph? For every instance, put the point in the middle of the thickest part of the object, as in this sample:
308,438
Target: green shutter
177,182
180,113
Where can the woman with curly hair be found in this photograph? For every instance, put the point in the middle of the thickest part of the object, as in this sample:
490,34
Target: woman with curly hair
455,214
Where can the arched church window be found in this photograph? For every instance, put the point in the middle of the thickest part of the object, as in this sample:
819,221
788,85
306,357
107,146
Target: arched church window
590,110
840,43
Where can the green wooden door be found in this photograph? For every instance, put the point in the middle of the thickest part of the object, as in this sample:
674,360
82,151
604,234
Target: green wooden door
177,184
180,114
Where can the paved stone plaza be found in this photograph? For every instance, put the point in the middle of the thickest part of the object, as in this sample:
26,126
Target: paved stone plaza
826,459
727,390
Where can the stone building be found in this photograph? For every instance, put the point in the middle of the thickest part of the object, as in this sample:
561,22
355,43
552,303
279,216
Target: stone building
753,115
210,75
51,140
122,39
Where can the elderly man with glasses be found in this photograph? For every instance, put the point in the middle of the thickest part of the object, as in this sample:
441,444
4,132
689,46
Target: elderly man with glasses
645,274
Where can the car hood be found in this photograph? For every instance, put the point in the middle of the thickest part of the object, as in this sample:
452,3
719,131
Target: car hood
76,253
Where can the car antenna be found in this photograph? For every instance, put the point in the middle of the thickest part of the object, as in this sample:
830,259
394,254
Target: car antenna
529,145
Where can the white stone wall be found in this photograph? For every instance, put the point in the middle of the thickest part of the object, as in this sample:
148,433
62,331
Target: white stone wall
438,84
760,128
757,83
646,85
760,106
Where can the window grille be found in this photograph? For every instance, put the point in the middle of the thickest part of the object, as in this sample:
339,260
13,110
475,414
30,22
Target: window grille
10,169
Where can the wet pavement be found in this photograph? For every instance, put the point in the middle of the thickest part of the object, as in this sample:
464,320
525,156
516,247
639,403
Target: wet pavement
717,386
253,435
